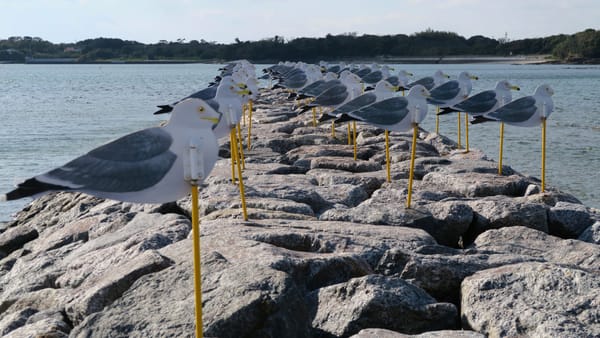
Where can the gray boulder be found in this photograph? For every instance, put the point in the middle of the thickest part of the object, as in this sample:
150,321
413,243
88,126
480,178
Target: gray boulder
532,299
569,220
475,184
379,301
501,211
383,333
591,234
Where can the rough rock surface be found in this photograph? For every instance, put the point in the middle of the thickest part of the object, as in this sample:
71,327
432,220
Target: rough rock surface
330,248
533,300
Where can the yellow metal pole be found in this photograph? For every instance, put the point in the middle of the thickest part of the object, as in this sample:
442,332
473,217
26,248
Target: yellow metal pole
241,148
314,111
501,148
197,265
467,132
244,113
349,135
241,182
333,129
249,123
543,154
233,154
459,137
412,163
354,137
437,120
387,155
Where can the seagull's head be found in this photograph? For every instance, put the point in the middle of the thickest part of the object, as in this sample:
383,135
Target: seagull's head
441,74
507,86
467,75
545,90
194,113
419,91
229,88
385,86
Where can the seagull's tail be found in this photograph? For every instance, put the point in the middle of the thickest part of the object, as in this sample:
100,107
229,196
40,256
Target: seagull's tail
447,110
344,118
480,119
292,96
30,187
3,198
306,108
278,86
326,117
164,109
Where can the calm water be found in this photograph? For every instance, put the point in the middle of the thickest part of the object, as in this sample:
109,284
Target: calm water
52,113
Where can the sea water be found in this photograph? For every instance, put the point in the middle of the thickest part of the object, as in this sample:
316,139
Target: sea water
50,114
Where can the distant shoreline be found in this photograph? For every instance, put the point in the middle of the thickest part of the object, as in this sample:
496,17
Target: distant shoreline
466,59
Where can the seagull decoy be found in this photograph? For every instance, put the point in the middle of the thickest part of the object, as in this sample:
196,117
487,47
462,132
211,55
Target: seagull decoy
146,166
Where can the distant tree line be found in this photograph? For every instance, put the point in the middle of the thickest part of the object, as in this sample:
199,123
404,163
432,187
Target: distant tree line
429,43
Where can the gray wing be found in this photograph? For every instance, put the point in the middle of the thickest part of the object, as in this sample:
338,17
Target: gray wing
213,104
131,163
323,87
363,72
204,94
393,80
311,87
373,77
519,110
426,82
384,113
297,80
332,96
444,92
357,103
478,103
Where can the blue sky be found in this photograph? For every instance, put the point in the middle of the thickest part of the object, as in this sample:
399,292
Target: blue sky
149,21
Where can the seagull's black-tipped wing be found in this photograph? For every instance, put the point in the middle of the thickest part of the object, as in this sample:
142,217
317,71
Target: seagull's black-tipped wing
373,77
444,92
352,105
478,103
384,113
332,96
427,82
118,166
519,110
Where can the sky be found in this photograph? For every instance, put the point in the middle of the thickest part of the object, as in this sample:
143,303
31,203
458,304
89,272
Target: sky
148,21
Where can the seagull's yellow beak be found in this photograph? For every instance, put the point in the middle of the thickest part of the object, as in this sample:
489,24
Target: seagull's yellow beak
244,92
396,88
214,120
515,88
473,77
410,74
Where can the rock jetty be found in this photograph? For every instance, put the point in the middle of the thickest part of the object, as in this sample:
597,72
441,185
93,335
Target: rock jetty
329,249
